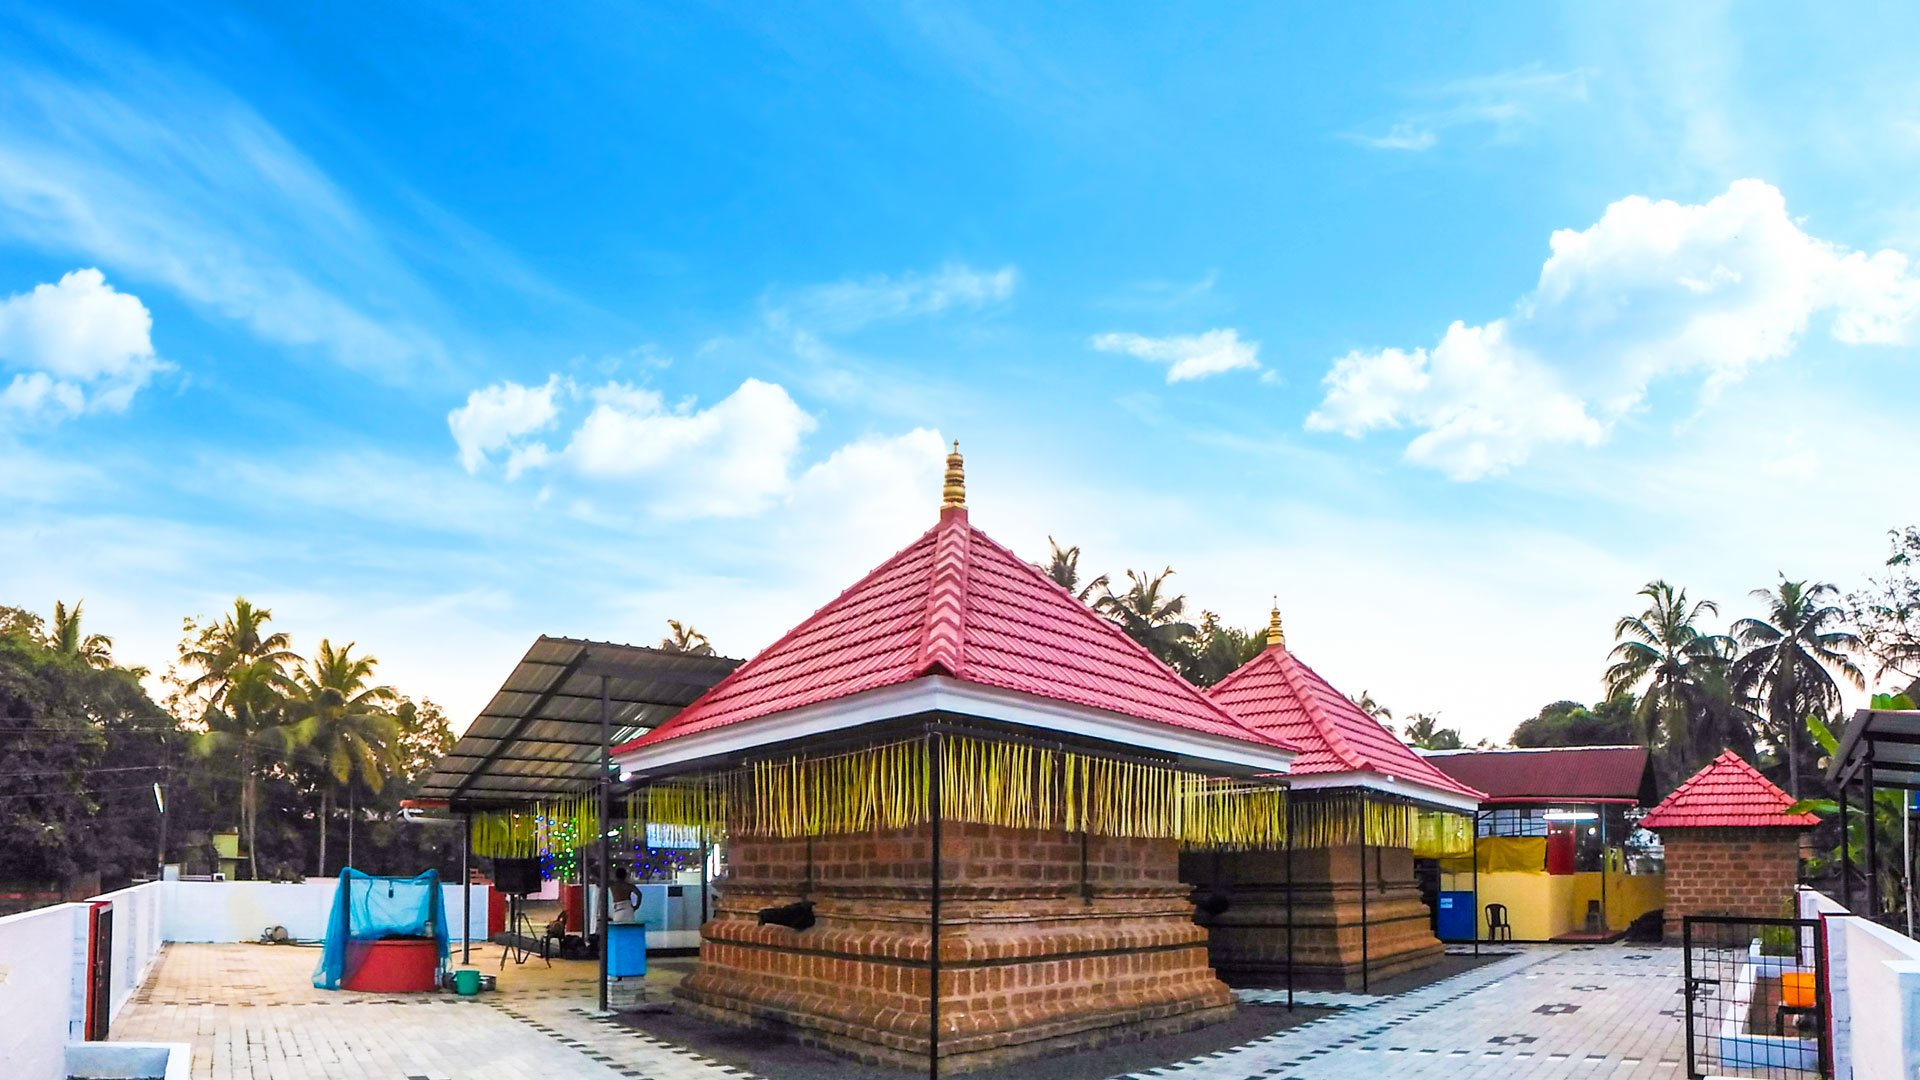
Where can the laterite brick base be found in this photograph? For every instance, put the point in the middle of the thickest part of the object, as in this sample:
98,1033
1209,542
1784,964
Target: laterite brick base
1248,940
1032,961
1746,872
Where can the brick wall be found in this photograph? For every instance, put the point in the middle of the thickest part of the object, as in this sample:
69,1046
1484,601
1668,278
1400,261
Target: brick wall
1042,948
1721,871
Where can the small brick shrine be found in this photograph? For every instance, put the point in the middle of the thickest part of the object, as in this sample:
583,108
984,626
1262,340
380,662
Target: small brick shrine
1732,848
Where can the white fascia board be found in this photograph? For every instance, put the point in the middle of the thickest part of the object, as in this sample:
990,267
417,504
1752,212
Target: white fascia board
938,693
1381,782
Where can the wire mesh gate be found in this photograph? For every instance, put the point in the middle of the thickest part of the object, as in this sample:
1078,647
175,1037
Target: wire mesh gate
1756,993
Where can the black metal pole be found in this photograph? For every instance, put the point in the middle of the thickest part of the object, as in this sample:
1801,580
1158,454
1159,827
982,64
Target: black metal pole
1286,805
1686,989
1868,806
1606,863
1476,881
706,855
933,922
606,870
1846,850
466,891
1366,984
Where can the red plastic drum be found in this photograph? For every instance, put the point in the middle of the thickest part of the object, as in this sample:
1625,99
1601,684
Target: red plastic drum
395,965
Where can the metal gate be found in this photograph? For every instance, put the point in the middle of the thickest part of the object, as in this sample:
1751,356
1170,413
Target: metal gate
99,970
1756,997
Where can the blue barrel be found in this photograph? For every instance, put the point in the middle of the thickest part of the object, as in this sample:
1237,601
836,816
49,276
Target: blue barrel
1457,921
626,949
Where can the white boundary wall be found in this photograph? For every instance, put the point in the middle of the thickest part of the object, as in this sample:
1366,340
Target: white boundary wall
215,911
1873,977
43,959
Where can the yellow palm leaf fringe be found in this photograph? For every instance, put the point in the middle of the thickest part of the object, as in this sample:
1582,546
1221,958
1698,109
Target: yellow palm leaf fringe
985,782
1332,821
546,828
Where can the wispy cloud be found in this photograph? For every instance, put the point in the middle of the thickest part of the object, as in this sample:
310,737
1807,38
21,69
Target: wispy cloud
1188,356
847,305
1502,105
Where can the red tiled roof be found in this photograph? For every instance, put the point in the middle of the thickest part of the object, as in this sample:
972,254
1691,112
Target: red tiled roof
1278,696
1727,792
955,603
1554,773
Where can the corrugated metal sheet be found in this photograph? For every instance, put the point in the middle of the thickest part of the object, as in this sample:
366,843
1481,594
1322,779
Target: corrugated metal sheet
540,734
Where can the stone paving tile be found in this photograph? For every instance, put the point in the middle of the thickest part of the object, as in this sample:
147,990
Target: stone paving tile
1550,1011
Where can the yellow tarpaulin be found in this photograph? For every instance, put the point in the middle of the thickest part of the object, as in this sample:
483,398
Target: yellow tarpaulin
1504,855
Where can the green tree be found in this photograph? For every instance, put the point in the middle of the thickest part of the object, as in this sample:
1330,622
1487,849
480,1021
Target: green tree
683,638
1790,659
345,724
1886,819
1425,732
1569,723
1218,651
1685,708
1148,615
1380,713
94,649
243,675
1063,567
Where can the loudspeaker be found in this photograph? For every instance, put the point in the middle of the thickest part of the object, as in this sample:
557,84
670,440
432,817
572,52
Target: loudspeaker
516,877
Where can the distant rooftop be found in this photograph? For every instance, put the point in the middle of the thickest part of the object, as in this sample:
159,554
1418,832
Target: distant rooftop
1547,774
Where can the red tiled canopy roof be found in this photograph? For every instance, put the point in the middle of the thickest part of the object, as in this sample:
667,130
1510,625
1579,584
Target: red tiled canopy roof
1557,773
957,604
1727,792
1280,697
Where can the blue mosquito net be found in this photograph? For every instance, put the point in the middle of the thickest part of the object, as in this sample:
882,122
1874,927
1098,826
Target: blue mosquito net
368,908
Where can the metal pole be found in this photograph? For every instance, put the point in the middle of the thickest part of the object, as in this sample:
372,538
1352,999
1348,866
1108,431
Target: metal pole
1476,881
466,891
1686,989
1869,807
1365,976
1906,855
933,923
1606,867
1286,804
1846,851
706,856
606,870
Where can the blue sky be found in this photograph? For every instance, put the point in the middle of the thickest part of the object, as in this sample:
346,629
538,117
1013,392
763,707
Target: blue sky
438,328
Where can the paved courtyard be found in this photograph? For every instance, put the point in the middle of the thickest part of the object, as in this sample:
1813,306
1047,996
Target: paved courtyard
251,1014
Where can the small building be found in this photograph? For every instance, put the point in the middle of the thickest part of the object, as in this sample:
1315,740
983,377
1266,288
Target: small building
1733,847
1557,850
1340,906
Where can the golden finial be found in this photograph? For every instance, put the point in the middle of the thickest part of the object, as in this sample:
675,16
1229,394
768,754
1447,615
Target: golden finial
955,493
1275,635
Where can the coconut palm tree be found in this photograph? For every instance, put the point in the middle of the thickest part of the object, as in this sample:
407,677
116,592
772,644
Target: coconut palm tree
1372,708
243,673
683,638
1679,669
1425,732
1063,566
96,650
1790,659
346,723
1149,616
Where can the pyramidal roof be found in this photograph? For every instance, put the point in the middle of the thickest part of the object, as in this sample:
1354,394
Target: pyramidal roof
954,603
1282,698
1728,792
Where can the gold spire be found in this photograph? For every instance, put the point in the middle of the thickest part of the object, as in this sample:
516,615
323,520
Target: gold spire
1275,635
955,493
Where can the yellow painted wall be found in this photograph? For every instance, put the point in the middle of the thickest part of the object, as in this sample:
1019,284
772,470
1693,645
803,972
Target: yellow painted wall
1542,906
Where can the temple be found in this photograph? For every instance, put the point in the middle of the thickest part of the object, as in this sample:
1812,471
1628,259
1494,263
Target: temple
1339,905
953,802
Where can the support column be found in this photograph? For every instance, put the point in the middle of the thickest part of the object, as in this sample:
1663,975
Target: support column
935,776
1286,805
466,889
1366,976
606,819
1846,850
1873,842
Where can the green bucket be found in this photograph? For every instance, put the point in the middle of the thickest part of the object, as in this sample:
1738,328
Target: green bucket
466,982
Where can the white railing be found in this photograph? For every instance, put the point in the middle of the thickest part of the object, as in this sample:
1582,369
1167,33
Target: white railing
1873,982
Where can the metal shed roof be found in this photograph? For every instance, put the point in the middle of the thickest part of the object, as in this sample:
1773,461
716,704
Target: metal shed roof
1885,740
540,735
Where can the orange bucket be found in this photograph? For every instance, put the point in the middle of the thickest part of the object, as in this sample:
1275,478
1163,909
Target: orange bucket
1796,989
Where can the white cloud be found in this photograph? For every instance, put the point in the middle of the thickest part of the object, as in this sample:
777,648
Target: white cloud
728,459
1504,104
1194,356
848,305
1652,290
495,418
75,345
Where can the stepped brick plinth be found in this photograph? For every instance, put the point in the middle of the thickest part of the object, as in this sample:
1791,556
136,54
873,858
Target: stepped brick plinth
1247,940
1037,956
1732,847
